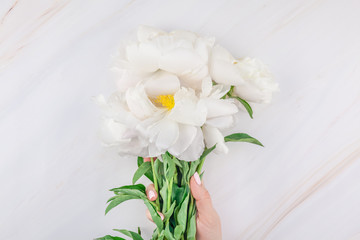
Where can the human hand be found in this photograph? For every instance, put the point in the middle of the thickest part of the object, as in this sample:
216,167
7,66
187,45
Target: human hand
208,225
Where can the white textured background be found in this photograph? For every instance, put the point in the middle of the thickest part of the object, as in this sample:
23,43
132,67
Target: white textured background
54,174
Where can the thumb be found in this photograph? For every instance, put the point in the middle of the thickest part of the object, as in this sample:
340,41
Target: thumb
201,195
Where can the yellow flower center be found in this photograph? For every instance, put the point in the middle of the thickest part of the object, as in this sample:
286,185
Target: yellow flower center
165,101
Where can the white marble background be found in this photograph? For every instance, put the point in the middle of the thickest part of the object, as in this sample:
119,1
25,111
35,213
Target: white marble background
54,174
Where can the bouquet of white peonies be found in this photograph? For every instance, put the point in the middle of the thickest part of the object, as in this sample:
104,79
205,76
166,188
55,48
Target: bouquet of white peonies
176,92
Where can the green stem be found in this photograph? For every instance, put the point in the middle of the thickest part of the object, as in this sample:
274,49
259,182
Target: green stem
202,160
169,197
155,184
191,208
169,193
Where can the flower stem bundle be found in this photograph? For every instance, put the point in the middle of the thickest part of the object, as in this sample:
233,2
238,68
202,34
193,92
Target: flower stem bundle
171,177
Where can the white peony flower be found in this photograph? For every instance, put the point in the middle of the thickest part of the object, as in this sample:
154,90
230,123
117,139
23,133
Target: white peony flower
167,100
182,53
252,79
140,123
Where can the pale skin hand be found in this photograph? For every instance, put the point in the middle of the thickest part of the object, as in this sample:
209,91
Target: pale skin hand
208,225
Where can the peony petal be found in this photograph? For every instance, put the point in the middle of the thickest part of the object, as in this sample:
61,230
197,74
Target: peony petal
221,122
222,69
213,136
168,134
138,103
196,148
144,126
259,84
180,60
112,132
137,146
252,94
126,80
187,135
218,91
126,140
206,87
225,73
194,77
115,107
162,83
164,133
220,53
220,107
203,47
188,108
143,56
153,150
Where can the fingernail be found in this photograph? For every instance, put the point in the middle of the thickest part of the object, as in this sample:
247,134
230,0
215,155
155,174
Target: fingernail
197,178
161,216
151,195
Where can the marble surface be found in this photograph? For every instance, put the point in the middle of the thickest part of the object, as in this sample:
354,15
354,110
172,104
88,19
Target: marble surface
54,174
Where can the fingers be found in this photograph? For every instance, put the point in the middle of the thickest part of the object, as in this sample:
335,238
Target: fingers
152,196
202,196
148,159
148,215
151,193
208,222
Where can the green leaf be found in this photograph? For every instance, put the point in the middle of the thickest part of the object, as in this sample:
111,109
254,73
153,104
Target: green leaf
245,104
139,231
192,207
148,174
177,162
168,234
178,193
184,169
172,223
242,137
139,187
182,214
207,151
192,170
164,195
230,92
132,190
155,234
119,199
108,237
158,167
191,231
112,198
145,167
140,160
168,213
179,229
154,215
161,235
171,169
131,234
176,180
